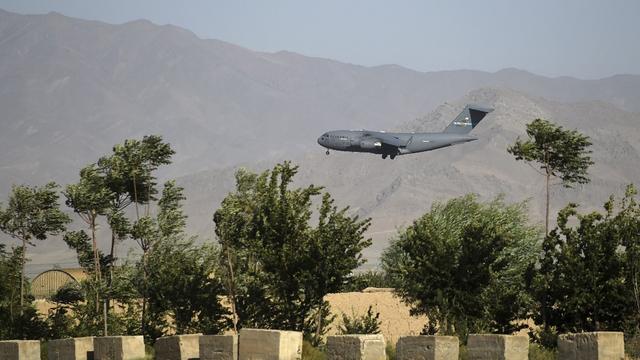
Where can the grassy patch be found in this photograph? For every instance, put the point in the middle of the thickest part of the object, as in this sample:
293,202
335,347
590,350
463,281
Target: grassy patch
309,352
391,352
632,347
537,352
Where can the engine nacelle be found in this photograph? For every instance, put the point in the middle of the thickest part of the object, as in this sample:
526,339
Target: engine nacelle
370,144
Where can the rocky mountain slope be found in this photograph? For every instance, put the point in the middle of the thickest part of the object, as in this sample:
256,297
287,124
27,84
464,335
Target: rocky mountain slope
70,89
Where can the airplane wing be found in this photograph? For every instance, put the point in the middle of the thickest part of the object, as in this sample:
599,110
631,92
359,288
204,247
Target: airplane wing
387,138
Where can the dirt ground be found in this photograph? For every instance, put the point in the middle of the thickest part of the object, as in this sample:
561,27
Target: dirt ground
394,314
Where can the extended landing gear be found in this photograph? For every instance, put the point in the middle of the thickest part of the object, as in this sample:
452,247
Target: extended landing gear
327,152
384,156
391,156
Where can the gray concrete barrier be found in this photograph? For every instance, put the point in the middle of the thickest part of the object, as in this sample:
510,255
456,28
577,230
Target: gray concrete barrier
20,350
118,348
427,348
178,347
219,347
356,347
603,345
270,345
70,349
497,347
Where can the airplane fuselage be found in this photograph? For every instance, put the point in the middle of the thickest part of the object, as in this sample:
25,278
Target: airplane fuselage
405,143
393,144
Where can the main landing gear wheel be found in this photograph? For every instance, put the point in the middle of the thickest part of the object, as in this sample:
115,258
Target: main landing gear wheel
392,157
384,156
327,152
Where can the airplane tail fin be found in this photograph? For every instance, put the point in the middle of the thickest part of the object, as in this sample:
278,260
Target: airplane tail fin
467,120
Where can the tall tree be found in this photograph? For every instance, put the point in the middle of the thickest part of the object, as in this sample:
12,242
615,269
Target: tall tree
148,231
33,213
183,285
283,265
560,153
18,321
462,265
587,270
131,168
90,198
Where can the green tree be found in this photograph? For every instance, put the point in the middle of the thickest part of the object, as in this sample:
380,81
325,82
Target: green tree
282,265
107,188
462,265
183,286
90,198
364,324
627,226
176,279
33,213
18,321
587,267
560,153
131,174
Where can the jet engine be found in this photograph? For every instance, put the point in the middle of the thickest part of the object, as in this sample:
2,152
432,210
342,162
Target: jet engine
370,144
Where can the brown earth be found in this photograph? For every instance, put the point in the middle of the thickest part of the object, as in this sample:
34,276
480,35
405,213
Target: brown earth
395,320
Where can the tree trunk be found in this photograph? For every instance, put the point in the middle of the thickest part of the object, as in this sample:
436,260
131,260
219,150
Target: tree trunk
546,221
319,323
24,260
143,325
107,301
135,195
96,263
232,293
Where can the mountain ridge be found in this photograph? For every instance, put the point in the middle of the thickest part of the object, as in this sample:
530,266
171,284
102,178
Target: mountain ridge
70,89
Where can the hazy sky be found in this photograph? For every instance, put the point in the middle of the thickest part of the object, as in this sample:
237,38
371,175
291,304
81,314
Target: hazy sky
581,38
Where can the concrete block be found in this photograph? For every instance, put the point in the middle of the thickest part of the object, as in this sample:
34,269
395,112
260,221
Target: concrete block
258,344
498,347
219,347
178,347
20,350
70,349
118,348
427,348
602,345
356,347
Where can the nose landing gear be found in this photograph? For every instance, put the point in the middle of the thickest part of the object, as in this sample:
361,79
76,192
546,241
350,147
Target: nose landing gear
327,152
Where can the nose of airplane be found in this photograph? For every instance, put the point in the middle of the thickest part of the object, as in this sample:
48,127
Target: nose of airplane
321,140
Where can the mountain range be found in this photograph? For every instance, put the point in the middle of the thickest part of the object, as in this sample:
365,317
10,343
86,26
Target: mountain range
70,89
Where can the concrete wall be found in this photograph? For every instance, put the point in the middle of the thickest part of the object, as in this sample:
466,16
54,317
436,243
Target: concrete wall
427,348
601,345
356,347
70,349
118,348
497,347
219,347
20,350
256,344
178,347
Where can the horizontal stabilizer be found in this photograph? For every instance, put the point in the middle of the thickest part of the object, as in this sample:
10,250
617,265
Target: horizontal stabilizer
468,119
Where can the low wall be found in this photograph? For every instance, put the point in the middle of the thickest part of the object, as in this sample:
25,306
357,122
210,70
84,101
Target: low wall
253,344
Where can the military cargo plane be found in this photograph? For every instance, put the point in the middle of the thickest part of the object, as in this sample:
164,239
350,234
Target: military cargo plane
394,144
